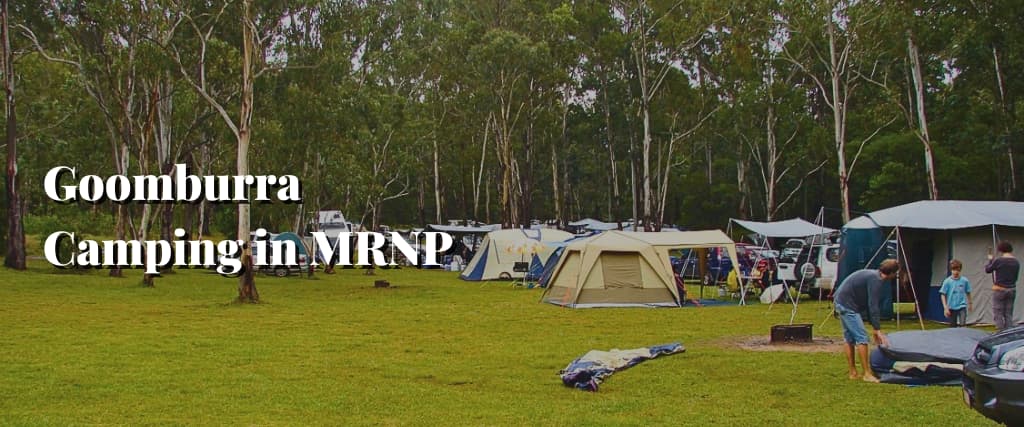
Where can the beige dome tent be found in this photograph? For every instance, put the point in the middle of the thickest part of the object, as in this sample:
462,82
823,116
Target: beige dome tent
501,249
625,269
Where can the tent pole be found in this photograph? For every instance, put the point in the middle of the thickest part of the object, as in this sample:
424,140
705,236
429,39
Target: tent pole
889,237
735,265
899,246
917,305
995,243
820,221
682,275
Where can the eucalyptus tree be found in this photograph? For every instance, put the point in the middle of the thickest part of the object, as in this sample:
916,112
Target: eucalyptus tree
247,46
828,40
103,43
664,37
15,257
768,114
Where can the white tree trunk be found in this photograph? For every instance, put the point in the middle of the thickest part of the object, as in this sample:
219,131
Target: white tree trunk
922,120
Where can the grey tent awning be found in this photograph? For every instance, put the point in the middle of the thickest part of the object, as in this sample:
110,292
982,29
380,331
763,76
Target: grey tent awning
944,215
795,227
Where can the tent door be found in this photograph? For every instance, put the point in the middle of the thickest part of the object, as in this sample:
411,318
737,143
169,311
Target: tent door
621,270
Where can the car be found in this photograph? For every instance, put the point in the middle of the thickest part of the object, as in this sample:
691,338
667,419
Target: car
814,268
792,248
993,379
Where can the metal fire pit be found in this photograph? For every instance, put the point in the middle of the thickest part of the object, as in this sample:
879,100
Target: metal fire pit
800,332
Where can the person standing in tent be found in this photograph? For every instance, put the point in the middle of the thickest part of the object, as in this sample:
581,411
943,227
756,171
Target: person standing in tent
859,292
956,295
1006,268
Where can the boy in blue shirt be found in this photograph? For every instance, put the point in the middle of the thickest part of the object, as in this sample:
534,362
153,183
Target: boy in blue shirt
956,295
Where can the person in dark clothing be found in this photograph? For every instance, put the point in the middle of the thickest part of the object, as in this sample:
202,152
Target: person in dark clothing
862,291
1006,268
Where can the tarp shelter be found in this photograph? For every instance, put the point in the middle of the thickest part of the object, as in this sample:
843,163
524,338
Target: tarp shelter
931,233
795,227
597,225
625,269
467,237
501,249
463,229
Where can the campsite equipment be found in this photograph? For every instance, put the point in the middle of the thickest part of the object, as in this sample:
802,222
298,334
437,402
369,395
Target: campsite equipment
501,249
930,357
589,370
807,260
625,269
800,332
772,294
928,234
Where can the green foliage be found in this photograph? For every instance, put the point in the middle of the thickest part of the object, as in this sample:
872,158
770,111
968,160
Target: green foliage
357,93
70,219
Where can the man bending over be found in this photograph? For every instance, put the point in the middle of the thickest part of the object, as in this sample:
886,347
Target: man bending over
862,292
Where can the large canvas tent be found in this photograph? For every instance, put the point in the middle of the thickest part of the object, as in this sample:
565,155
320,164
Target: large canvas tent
931,233
625,269
501,249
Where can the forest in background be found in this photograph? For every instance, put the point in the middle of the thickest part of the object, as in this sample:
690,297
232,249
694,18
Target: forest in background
415,112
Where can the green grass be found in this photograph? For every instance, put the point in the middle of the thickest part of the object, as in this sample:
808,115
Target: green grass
86,349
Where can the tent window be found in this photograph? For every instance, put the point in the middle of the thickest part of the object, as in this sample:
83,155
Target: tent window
621,270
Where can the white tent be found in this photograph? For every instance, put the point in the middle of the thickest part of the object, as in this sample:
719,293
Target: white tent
501,249
625,269
933,232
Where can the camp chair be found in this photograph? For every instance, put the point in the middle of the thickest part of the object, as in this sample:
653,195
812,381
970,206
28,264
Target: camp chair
681,286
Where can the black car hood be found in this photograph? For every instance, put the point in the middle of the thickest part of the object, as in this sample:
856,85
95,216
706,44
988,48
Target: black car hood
1003,337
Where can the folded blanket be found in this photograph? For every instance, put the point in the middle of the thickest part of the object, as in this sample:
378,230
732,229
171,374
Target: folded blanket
589,370
903,367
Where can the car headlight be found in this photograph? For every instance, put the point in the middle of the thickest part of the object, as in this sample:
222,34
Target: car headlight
1013,360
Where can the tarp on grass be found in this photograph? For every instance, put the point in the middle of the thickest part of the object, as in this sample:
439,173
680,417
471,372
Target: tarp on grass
588,371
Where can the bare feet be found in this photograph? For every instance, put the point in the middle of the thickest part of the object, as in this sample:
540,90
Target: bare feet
871,378
854,375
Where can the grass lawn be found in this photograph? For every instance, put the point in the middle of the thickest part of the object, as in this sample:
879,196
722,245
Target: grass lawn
87,349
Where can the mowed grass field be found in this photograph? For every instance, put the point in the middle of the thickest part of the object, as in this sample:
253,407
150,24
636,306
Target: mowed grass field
431,350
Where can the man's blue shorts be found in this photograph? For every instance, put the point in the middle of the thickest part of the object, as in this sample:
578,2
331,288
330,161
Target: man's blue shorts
853,326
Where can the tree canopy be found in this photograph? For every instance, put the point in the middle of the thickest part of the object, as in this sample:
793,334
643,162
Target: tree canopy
420,111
